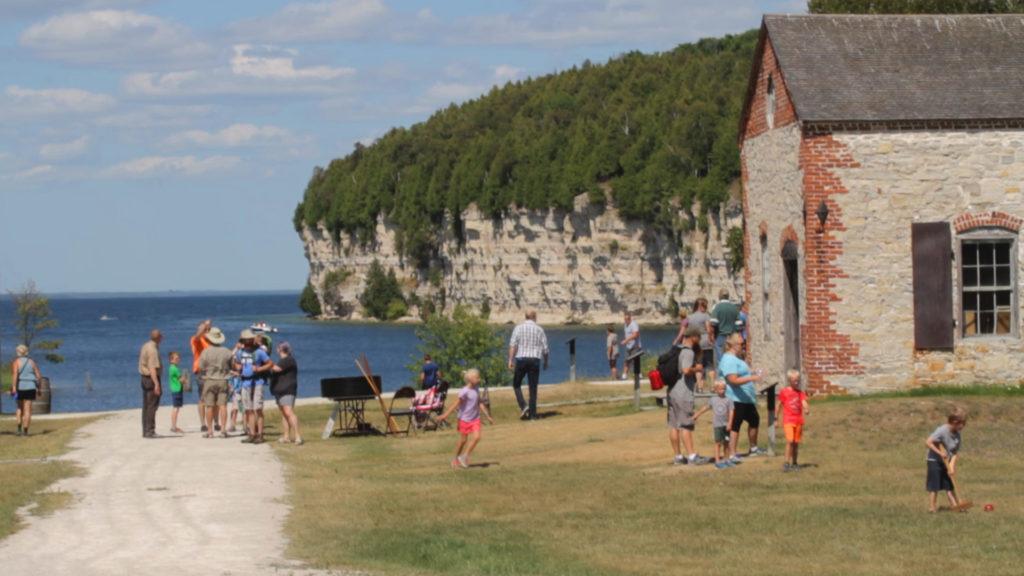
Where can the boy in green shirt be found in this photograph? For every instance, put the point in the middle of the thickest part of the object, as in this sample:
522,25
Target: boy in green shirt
177,393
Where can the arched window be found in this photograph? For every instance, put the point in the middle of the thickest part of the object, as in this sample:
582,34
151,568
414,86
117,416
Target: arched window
769,105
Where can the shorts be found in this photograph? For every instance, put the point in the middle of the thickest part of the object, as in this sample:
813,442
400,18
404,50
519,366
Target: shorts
721,435
707,359
469,427
794,432
680,412
27,394
199,388
285,400
613,362
215,393
743,412
252,397
236,397
177,399
938,477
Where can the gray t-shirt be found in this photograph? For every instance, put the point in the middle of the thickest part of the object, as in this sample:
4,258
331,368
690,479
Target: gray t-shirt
700,321
720,408
632,328
944,435
612,344
686,361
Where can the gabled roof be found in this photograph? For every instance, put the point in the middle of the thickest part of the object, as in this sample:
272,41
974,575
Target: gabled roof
850,68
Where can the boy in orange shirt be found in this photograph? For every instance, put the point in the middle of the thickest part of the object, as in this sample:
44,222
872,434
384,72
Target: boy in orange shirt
791,410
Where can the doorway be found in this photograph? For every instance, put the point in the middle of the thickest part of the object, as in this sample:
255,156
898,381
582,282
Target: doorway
791,305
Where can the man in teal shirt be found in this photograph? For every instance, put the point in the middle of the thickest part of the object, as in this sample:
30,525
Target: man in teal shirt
724,317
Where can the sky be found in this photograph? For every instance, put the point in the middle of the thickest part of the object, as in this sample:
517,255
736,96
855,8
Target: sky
163,145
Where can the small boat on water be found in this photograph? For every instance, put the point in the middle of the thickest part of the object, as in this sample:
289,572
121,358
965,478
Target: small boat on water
262,327
106,318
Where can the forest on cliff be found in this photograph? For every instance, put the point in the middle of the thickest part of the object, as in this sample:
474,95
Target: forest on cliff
659,129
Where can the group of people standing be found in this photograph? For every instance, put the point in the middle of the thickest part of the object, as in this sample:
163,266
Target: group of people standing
222,375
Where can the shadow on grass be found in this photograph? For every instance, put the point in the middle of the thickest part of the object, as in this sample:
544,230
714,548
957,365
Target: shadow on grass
484,464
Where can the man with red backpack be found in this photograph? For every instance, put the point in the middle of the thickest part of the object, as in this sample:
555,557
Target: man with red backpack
680,400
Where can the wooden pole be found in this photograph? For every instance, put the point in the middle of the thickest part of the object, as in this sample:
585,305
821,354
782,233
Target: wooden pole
363,363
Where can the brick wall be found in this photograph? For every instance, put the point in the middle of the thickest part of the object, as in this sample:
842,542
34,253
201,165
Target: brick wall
826,352
756,121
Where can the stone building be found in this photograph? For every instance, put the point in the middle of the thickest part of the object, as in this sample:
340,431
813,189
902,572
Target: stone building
883,163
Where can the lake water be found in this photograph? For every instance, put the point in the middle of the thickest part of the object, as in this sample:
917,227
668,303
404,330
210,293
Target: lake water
105,352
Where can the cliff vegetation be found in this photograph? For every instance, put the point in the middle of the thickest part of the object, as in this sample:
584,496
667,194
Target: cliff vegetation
656,131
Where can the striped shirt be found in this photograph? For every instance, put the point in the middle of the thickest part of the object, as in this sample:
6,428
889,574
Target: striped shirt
529,340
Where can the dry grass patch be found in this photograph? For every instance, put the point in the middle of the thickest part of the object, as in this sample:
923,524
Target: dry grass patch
27,468
589,491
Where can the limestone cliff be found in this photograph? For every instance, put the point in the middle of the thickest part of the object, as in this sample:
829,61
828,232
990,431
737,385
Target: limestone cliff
586,266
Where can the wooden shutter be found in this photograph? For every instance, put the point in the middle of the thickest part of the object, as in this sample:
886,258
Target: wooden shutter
932,245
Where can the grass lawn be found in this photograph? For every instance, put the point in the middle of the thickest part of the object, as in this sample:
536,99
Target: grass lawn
589,490
24,476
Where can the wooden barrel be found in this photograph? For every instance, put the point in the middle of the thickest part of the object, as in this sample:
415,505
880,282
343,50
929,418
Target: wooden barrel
41,405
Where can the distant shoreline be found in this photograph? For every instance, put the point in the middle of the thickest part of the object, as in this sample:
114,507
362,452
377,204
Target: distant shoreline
163,294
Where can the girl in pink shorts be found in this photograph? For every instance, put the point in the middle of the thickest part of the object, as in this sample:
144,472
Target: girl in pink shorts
469,407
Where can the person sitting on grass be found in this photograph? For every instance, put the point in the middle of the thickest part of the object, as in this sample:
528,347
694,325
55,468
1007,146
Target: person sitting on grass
791,410
943,455
681,418
25,379
721,413
174,378
469,407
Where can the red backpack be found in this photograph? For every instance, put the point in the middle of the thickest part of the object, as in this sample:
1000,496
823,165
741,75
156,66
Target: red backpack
656,382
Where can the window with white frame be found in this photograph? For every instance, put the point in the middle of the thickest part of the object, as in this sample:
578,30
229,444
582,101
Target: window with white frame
769,105
988,262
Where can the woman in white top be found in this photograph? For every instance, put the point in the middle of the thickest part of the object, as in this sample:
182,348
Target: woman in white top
25,379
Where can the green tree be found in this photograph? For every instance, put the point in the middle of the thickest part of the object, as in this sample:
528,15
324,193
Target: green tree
914,6
462,341
308,302
382,297
33,317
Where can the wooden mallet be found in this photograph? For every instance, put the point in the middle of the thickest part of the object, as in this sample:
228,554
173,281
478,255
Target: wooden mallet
962,504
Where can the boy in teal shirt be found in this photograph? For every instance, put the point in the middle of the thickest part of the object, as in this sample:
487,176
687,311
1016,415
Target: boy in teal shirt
177,392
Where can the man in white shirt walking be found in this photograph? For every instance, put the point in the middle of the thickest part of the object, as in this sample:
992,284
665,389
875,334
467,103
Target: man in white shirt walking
527,348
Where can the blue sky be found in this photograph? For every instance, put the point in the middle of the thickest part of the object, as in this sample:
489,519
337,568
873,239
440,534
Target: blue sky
163,145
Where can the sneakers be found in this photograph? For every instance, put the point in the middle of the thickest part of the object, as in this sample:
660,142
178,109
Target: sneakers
787,467
734,459
755,451
524,414
722,465
19,430
698,461
729,463
679,460
204,428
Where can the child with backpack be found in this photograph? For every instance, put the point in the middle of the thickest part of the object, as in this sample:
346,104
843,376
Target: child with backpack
469,407
792,408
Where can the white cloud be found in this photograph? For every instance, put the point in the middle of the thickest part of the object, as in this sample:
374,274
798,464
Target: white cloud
24,8
64,150
332,20
113,37
181,165
270,70
234,136
279,65
51,101
506,73
35,172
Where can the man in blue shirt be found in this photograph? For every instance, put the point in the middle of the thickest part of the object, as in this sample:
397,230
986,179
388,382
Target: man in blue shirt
252,363
741,390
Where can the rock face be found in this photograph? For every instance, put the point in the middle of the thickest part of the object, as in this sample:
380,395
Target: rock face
585,266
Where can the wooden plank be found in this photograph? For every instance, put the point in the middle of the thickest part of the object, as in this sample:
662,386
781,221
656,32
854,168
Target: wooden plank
931,247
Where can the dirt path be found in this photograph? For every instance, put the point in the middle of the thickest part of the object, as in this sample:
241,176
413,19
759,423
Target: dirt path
173,505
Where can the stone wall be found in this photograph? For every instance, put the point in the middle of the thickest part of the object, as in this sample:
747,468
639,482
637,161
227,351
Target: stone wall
919,176
587,265
774,202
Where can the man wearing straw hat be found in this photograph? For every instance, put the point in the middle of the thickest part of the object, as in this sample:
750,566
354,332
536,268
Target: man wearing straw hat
215,365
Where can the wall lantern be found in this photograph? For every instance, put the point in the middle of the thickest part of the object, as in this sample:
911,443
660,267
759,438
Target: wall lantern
822,213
